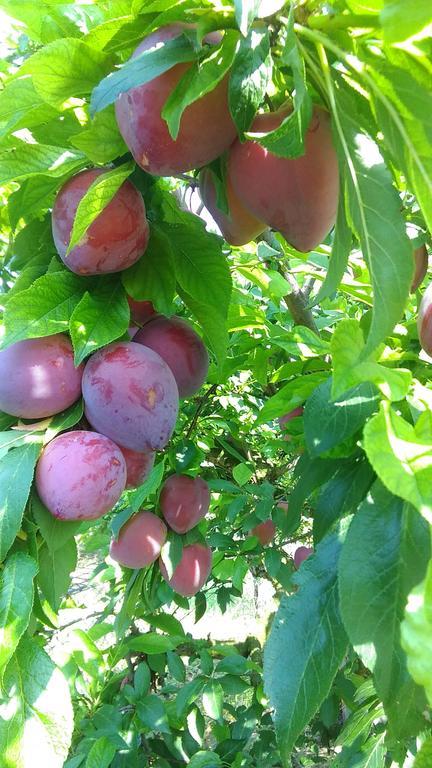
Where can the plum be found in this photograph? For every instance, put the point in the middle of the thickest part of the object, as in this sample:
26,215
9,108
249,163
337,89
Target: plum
283,505
238,226
38,377
301,554
130,396
264,531
80,475
140,311
192,571
181,348
297,196
424,321
184,501
138,466
140,541
206,127
420,256
114,240
283,421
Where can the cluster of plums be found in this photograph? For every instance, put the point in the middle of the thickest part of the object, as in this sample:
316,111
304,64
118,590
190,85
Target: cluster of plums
131,392
184,501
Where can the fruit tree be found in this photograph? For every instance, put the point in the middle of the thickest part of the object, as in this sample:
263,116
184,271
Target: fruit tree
215,384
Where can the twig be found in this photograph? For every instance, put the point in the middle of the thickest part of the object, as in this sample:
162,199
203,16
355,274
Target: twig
199,408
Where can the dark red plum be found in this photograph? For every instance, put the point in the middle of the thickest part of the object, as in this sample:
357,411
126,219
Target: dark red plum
420,256
38,377
264,531
184,501
297,196
130,396
116,238
238,226
140,541
140,311
181,348
206,127
192,571
138,465
80,475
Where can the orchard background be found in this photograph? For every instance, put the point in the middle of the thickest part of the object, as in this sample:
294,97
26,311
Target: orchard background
335,336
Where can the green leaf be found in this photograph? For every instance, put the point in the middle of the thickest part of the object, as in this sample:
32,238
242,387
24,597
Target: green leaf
402,19
100,192
176,667
233,665
403,107
56,532
16,438
26,160
37,694
416,634
64,68
341,494
101,316
100,140
347,347
143,68
385,554
16,602
22,107
142,679
151,712
288,139
166,622
34,197
375,217
289,397
328,423
16,475
242,474
171,552
187,694
245,12
45,308
249,77
101,753
213,699
402,457
205,760
153,277
151,643
199,79
339,256
306,645
55,570
424,756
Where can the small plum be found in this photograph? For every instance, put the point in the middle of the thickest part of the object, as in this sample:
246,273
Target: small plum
181,348
283,505
130,396
238,226
184,501
206,127
138,466
420,256
140,541
38,377
424,321
264,531
80,475
114,240
297,196
301,554
140,311
284,420
192,571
